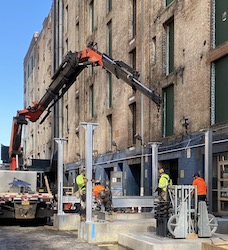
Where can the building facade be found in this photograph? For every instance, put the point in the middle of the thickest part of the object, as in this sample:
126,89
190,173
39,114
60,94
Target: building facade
180,49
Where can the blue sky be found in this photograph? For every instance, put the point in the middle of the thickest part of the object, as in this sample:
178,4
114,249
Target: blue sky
19,19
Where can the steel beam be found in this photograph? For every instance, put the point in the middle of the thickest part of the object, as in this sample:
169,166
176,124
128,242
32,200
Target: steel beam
89,127
208,166
60,142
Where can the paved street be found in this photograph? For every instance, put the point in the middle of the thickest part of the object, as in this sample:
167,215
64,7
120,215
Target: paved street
41,237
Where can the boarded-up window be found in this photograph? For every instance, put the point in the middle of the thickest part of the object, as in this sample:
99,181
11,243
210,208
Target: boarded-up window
109,132
109,5
221,90
132,125
168,111
221,21
134,17
91,16
109,90
109,45
91,101
170,47
168,2
133,64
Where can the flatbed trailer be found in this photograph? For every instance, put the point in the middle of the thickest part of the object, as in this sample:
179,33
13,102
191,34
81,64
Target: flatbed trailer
20,197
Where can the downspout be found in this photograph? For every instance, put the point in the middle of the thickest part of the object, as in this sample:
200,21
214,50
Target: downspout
142,99
56,62
60,53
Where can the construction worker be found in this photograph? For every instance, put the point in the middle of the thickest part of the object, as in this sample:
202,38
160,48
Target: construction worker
102,196
97,188
201,187
81,181
163,183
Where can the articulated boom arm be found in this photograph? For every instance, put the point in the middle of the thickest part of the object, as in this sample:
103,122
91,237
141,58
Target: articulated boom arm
120,69
67,73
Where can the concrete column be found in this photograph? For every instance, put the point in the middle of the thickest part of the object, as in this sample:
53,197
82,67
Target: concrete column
208,166
154,166
60,142
89,127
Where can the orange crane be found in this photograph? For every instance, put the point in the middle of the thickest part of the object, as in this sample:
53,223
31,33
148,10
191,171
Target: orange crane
67,73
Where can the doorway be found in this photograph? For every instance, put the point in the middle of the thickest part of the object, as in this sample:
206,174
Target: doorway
171,168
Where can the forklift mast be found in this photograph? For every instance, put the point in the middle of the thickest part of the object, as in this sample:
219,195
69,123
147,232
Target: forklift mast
67,73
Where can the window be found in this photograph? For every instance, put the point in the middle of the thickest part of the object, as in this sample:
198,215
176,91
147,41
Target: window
133,58
77,36
67,120
221,22
221,90
66,46
77,111
167,2
153,51
132,125
91,101
66,19
109,131
133,63
91,16
170,47
109,90
109,5
109,48
134,18
168,111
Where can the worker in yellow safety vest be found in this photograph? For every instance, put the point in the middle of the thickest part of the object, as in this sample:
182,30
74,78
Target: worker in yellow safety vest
164,182
81,181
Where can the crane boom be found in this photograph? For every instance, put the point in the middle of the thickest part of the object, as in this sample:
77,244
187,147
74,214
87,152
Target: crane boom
67,73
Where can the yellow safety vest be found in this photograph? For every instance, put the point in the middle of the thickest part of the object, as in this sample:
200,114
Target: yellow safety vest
164,181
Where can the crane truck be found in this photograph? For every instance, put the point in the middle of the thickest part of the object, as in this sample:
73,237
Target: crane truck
73,64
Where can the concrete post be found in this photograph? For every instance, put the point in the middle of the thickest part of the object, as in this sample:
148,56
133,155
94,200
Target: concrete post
60,142
89,127
208,166
154,166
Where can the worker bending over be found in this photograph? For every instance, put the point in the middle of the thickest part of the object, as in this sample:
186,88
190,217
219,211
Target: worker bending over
102,196
97,188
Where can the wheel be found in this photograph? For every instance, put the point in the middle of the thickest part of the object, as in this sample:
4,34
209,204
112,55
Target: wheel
212,223
172,223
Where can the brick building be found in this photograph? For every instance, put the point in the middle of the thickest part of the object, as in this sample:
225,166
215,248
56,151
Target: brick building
180,49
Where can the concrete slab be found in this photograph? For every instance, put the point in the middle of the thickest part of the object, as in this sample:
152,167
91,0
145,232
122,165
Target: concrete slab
123,216
150,241
107,232
222,225
66,222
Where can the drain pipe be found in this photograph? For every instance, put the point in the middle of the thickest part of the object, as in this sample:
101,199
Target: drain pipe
142,100
208,165
60,53
55,60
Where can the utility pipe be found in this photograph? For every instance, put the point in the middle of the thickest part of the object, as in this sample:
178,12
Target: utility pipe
142,99
60,53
